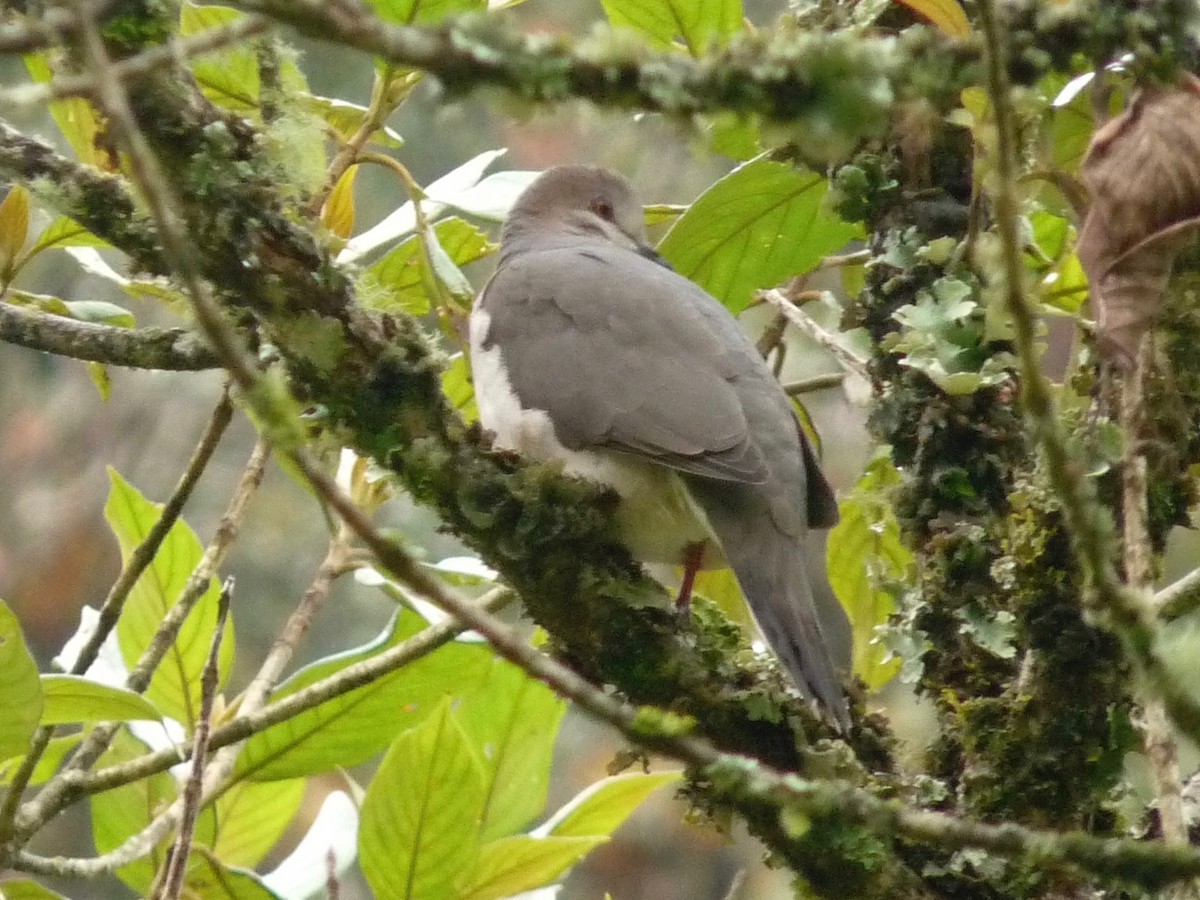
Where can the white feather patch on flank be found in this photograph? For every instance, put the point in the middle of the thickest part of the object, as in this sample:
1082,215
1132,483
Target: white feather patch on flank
657,517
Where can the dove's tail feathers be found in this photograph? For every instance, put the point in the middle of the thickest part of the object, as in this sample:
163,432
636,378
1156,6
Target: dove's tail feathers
776,584
772,569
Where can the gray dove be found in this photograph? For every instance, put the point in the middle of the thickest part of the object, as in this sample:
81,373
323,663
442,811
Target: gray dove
589,350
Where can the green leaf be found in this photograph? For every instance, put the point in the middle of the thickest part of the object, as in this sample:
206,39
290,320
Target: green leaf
396,282
760,224
421,812
73,698
512,721
229,77
868,563
175,687
65,232
346,118
47,765
213,879
353,727
122,812
101,312
76,118
520,863
252,817
458,388
28,890
14,229
599,809
700,23
101,379
406,12
20,690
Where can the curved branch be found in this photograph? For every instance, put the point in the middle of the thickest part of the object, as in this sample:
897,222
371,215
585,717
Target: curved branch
173,349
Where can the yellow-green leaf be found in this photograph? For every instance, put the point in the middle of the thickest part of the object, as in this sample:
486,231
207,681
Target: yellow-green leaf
947,15
20,690
65,232
458,387
419,828
397,281
763,222
338,213
512,720
520,863
700,23
14,229
600,808
76,118
47,765
252,817
72,698
406,12
175,687
28,890
867,561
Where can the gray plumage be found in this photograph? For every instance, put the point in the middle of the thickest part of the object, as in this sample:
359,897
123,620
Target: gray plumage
587,348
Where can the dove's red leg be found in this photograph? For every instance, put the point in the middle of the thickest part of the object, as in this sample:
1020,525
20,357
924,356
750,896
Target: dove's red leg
693,556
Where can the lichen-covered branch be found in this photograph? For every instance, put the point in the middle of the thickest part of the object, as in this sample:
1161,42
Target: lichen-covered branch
1090,524
784,75
174,349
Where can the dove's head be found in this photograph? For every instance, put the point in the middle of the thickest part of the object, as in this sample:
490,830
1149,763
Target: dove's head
581,201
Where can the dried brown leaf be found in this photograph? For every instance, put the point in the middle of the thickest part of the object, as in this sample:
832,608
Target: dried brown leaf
1142,170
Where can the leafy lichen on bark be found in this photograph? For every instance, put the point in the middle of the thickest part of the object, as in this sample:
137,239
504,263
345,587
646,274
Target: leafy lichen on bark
1033,700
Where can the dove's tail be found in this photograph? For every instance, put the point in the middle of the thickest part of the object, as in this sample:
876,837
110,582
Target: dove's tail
773,571
776,583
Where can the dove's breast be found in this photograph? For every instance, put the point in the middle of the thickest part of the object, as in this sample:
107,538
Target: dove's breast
657,517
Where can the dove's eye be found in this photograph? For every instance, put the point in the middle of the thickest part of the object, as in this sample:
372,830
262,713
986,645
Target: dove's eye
603,209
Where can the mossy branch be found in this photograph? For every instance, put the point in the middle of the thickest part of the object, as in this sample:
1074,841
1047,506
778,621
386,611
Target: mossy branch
173,349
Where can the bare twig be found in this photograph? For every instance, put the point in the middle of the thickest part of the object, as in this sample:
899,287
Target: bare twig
44,31
193,797
816,383
821,336
1180,597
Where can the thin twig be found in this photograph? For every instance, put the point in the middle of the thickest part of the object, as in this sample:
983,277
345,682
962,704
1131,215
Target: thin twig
352,677
1157,738
815,383
383,104
335,563
44,31
37,811
846,359
141,557
1180,597
207,41
193,797
143,843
